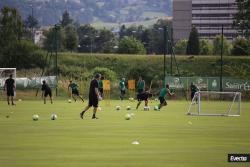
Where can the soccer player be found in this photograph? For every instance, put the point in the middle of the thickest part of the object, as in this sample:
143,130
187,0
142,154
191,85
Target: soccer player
122,88
140,85
100,86
193,89
94,96
9,85
143,97
74,90
163,93
46,90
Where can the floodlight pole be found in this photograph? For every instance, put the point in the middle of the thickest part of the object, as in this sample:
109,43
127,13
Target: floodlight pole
221,57
165,49
56,58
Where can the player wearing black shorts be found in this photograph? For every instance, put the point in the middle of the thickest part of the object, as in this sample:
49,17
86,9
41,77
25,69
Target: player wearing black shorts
9,86
163,93
74,90
122,87
143,97
94,96
46,91
100,86
194,89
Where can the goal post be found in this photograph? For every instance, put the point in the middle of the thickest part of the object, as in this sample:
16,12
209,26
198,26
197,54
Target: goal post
5,73
212,103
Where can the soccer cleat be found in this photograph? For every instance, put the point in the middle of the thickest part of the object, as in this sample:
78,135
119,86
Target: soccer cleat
81,115
94,118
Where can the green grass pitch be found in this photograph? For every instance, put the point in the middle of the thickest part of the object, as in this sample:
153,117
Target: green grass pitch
167,137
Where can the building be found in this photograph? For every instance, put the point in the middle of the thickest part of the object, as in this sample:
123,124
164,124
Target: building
208,16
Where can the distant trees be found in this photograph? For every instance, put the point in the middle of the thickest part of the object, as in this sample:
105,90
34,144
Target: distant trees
241,46
217,45
14,50
193,45
66,19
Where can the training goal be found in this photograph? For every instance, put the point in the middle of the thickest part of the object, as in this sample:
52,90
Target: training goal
212,103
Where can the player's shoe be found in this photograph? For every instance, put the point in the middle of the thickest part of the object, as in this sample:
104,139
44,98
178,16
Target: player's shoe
81,115
95,118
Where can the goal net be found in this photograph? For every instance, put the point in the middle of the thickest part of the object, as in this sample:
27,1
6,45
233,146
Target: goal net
211,103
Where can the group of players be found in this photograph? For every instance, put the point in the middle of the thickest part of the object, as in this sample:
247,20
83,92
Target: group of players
96,92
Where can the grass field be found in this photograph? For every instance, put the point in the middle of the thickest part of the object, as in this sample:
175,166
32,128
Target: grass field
167,137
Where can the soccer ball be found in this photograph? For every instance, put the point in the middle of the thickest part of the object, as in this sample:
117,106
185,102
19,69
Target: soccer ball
35,117
131,99
156,99
156,108
128,108
118,107
127,116
53,117
146,108
99,109
132,115
19,99
69,101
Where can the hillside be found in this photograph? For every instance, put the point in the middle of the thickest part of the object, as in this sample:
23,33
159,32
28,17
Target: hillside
49,12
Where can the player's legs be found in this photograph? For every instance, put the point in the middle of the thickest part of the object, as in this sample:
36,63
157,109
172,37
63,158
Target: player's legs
162,102
8,100
81,98
12,100
51,98
138,104
122,94
44,99
95,105
73,96
146,102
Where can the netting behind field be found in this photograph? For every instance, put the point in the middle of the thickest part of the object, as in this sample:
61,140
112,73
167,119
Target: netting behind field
215,103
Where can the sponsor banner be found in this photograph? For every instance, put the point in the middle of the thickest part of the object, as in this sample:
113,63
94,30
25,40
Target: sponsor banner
208,83
238,158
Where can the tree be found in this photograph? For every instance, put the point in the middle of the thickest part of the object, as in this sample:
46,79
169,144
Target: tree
10,34
181,47
130,45
242,17
217,46
205,47
106,41
31,22
53,36
193,46
241,46
71,38
66,20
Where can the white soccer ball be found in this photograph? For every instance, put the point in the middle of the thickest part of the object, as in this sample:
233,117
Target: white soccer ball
53,117
156,108
69,101
156,99
127,116
128,108
118,107
35,117
146,108
131,99
99,109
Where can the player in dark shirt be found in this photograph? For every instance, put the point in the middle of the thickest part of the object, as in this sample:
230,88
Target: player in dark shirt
94,96
46,91
194,89
9,86
144,96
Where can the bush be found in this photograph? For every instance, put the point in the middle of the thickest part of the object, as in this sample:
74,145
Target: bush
241,46
217,46
23,55
131,45
107,73
205,47
181,47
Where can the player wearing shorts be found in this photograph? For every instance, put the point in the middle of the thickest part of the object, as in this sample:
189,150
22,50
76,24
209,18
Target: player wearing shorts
46,91
9,86
94,96
140,85
74,90
122,87
163,93
143,97
100,86
194,89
